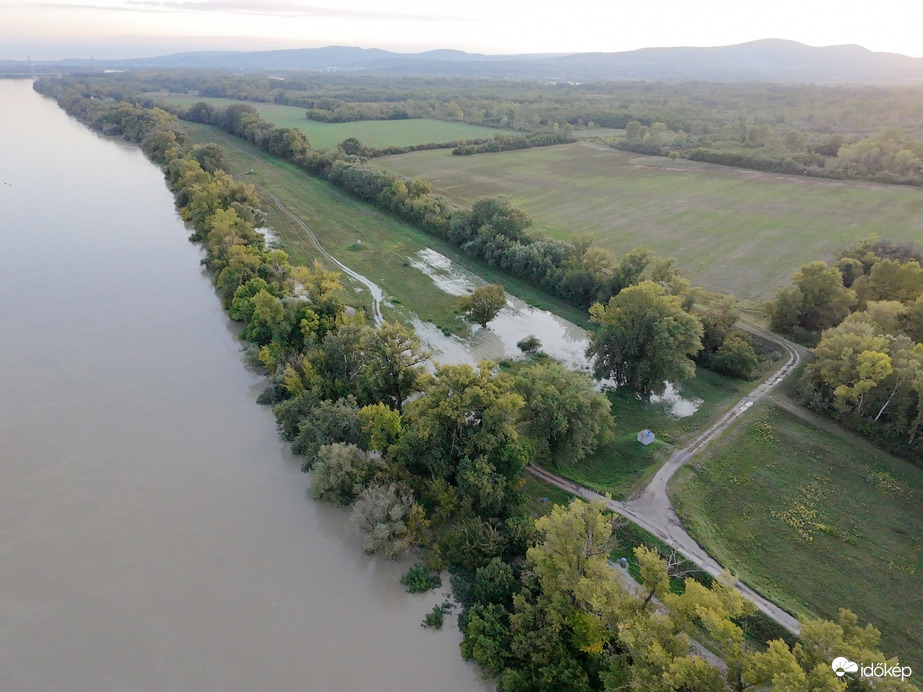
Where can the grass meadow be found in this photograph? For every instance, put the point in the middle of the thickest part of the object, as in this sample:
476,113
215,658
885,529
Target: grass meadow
814,518
732,230
372,133
622,465
339,221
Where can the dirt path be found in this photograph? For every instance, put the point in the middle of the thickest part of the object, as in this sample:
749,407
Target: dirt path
652,509
374,289
637,590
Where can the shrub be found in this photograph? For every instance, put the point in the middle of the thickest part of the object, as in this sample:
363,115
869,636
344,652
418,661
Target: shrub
341,472
381,513
435,617
420,579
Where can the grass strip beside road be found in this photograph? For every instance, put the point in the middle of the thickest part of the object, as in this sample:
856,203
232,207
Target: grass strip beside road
622,465
814,518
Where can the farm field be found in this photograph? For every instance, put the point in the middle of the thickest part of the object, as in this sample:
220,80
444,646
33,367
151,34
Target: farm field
735,231
386,245
814,518
372,133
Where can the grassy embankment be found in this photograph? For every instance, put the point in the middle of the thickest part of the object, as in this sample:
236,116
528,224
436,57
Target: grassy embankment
340,220
734,231
816,519
372,133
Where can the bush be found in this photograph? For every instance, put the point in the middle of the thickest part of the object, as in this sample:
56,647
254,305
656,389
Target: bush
381,513
341,472
420,579
435,617
529,345
328,422
273,394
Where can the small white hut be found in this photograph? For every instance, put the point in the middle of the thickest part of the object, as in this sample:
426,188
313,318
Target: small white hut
645,437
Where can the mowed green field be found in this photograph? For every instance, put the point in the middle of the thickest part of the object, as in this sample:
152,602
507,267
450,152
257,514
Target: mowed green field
734,231
372,133
816,520
620,466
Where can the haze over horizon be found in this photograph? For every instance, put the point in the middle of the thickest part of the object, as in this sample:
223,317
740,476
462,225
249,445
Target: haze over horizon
110,29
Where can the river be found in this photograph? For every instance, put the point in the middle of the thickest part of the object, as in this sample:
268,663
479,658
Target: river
155,534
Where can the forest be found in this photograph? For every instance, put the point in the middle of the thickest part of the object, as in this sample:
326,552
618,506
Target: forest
841,132
864,315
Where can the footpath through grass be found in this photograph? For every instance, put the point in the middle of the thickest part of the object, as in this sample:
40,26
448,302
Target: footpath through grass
377,134
816,519
386,246
734,231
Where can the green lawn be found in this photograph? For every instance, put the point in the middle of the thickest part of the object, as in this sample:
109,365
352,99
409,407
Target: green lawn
816,519
537,490
372,133
387,243
734,231
622,465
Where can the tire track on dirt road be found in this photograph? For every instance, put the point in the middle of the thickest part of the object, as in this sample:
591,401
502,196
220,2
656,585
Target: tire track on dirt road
653,511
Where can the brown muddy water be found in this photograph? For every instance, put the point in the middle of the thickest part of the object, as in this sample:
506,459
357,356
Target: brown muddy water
154,532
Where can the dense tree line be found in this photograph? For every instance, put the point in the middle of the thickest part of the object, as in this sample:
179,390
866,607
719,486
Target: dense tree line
865,313
849,132
491,230
844,132
503,142
436,460
890,155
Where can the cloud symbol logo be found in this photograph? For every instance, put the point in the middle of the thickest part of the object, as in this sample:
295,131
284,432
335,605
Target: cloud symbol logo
842,665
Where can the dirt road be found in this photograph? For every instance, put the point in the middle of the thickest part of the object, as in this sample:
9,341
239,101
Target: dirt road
374,289
652,509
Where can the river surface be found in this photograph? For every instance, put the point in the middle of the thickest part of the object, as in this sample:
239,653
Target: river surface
154,532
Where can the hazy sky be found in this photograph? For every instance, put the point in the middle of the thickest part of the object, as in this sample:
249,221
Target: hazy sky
49,29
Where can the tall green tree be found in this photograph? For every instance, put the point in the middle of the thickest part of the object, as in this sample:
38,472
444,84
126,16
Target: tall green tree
645,339
483,304
394,357
462,433
817,301
563,412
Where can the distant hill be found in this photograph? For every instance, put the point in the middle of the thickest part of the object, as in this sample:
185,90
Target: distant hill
769,60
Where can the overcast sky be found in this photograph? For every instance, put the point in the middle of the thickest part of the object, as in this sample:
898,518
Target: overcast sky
136,28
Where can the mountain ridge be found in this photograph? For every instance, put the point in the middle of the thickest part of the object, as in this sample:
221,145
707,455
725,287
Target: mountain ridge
764,60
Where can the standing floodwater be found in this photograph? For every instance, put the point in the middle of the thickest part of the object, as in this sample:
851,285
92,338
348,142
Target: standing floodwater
154,534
